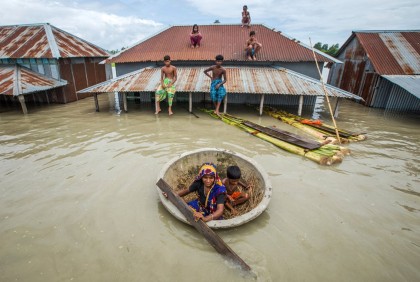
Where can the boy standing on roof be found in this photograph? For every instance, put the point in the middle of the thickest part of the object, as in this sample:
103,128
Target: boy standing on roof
167,79
218,78
252,46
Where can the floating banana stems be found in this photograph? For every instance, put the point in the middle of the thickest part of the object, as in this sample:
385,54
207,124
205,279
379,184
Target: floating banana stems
326,154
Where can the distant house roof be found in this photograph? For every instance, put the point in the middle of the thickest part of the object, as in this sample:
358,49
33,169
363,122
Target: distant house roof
44,41
16,80
255,80
228,40
391,52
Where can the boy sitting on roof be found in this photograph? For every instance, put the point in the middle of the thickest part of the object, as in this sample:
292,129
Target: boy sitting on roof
252,46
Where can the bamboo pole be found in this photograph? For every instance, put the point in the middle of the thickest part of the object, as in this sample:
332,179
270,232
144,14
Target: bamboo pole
214,240
325,92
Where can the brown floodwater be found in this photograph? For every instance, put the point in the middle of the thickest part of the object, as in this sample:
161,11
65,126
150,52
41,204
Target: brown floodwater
78,200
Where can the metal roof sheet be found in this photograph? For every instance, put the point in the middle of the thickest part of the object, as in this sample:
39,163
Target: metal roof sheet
44,41
255,80
411,83
392,52
16,80
228,40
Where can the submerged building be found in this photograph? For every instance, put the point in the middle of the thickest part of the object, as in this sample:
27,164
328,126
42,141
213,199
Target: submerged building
285,71
382,67
42,63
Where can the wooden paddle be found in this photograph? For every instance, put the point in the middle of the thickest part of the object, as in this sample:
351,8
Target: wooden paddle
201,226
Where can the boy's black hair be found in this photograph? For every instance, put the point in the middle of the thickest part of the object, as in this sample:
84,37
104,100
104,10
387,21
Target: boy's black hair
252,33
233,172
245,6
219,58
166,58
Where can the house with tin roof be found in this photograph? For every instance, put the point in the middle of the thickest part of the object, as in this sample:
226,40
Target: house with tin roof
42,63
382,67
285,71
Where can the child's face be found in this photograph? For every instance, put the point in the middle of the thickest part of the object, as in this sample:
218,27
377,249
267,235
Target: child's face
233,182
196,28
208,180
219,63
167,63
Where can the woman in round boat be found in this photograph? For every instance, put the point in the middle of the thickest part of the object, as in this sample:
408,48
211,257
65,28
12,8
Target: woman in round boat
211,194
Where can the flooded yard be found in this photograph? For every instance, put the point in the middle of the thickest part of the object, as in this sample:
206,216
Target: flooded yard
78,200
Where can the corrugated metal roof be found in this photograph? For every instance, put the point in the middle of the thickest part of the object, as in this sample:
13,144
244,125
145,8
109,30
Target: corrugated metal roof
392,52
228,40
239,80
44,41
16,80
411,83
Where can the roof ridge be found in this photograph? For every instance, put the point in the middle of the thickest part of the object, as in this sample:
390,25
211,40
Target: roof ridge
385,31
55,51
81,39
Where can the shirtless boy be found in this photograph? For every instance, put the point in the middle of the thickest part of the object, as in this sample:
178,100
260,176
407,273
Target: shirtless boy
252,46
234,193
166,88
218,78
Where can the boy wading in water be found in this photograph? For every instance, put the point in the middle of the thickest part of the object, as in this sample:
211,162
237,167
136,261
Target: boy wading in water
218,78
167,79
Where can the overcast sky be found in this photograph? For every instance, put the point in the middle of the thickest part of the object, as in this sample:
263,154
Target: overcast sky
112,24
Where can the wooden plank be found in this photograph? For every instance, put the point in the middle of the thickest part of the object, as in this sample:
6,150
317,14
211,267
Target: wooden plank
201,226
285,136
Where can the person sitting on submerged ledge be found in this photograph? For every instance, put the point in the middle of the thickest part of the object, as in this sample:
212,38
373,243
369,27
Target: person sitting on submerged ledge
211,194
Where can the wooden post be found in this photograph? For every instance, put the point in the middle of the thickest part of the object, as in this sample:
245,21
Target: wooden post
190,102
225,104
261,104
125,101
300,105
95,97
337,107
48,99
23,104
116,95
201,226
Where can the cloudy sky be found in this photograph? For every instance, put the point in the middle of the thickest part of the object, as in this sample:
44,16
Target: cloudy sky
112,24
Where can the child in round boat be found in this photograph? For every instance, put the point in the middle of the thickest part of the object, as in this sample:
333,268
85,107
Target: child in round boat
166,88
234,195
211,194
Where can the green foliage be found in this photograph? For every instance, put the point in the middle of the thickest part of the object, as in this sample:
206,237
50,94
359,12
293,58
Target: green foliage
330,50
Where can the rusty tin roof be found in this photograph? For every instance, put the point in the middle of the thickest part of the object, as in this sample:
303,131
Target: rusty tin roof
391,52
16,80
44,41
228,40
247,80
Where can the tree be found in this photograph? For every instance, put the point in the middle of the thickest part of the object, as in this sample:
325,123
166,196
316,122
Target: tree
331,50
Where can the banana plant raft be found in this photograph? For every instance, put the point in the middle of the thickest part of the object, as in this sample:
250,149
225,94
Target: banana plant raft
180,171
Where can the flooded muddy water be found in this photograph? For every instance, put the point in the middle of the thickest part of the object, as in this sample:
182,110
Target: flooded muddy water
78,200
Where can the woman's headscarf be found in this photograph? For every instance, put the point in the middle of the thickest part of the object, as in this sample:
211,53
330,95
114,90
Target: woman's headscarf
209,169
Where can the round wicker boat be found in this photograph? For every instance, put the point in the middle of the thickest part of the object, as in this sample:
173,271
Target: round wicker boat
191,161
